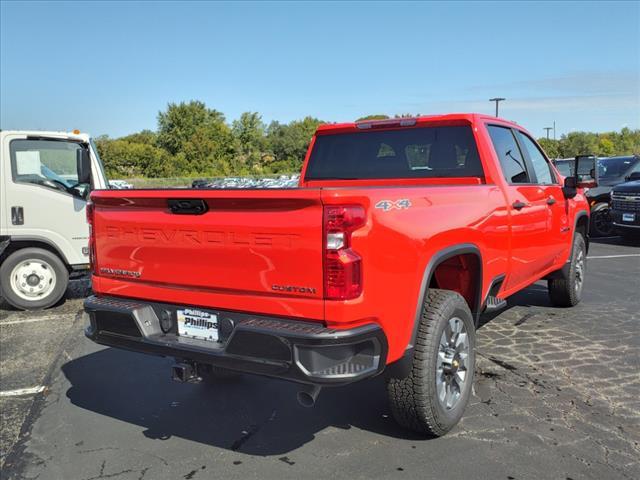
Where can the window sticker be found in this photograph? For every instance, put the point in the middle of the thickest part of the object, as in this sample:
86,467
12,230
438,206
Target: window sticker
28,163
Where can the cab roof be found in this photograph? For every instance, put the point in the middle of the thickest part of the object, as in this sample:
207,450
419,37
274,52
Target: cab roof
47,133
450,118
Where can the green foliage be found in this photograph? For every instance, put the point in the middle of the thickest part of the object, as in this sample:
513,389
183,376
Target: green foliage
624,142
193,140
288,143
373,117
123,158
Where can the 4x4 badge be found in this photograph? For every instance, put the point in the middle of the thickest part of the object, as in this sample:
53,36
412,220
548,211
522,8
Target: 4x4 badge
387,205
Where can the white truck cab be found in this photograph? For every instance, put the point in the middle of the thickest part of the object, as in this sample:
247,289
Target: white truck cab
45,179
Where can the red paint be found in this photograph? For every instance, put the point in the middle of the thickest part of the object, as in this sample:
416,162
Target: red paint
250,240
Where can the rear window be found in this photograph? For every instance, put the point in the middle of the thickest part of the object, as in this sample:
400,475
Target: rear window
424,152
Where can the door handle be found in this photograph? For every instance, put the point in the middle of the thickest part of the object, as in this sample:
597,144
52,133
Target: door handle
518,205
551,201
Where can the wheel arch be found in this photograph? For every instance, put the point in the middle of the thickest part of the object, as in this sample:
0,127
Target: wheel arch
428,277
18,243
581,224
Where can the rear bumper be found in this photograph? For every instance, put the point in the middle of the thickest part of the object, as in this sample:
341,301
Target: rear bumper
289,349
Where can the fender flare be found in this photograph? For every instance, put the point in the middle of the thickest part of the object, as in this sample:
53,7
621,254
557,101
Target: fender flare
401,368
564,271
599,206
31,238
427,276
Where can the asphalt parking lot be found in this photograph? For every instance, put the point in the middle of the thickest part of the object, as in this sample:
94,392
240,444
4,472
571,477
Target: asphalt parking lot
556,395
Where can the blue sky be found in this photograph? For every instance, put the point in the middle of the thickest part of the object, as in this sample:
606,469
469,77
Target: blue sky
109,67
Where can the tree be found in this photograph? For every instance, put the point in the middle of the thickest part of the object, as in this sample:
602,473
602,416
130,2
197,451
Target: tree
289,143
550,147
249,132
373,117
123,158
201,134
180,122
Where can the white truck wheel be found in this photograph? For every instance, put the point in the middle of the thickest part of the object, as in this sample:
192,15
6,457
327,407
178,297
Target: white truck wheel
33,279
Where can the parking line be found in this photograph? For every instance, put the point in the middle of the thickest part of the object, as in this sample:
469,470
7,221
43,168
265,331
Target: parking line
616,256
22,391
30,320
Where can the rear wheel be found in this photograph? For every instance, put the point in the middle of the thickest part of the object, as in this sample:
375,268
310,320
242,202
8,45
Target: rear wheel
33,279
432,398
567,291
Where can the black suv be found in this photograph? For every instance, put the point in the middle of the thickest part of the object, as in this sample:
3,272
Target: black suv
611,172
625,206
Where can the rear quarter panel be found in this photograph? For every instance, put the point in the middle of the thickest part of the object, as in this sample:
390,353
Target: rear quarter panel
397,244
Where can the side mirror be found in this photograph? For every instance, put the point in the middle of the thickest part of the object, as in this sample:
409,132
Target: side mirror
586,181
83,165
570,189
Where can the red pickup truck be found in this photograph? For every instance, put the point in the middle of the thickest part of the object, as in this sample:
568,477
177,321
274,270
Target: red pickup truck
401,233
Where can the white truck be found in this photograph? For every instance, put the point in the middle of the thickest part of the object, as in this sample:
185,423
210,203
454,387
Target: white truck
45,179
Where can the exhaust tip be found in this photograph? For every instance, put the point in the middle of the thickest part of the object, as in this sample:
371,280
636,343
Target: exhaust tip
306,400
307,397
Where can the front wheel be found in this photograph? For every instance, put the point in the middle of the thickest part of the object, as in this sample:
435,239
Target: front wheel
432,398
33,279
567,291
601,221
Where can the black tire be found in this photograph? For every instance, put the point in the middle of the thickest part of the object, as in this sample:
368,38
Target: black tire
414,400
567,291
211,374
601,224
55,289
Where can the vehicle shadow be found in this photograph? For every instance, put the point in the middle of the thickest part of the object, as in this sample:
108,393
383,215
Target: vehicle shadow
618,241
253,415
536,295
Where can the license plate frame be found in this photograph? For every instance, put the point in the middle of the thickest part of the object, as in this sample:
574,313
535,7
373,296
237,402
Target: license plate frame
198,324
628,217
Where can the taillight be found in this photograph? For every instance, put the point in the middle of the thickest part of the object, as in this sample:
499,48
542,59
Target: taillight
92,243
342,266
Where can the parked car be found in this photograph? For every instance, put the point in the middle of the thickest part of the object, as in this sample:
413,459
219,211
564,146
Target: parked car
44,236
199,183
625,206
610,172
282,181
401,234
120,184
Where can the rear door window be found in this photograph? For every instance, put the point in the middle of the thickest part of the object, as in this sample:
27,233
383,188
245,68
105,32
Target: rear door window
422,152
511,159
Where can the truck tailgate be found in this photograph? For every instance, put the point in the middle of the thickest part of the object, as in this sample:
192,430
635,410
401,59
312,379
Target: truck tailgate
265,244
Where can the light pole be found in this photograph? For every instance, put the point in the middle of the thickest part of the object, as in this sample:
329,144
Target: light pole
497,100
547,129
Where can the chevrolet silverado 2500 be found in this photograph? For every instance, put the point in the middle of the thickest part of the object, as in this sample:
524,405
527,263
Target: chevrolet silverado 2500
401,234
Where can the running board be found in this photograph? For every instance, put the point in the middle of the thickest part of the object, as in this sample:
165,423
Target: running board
493,304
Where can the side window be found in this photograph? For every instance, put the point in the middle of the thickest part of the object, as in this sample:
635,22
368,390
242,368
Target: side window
49,163
539,162
511,159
